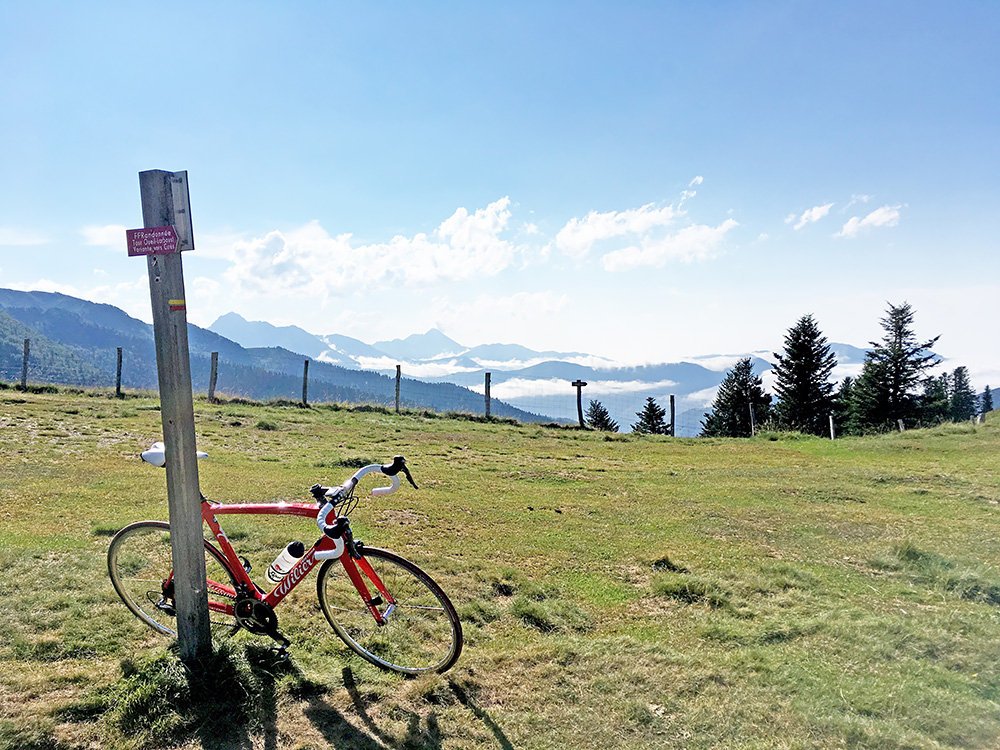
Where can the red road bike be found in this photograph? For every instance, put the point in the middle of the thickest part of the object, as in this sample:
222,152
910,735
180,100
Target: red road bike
384,607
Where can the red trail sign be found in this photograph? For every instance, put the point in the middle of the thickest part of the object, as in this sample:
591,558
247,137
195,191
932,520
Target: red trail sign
151,241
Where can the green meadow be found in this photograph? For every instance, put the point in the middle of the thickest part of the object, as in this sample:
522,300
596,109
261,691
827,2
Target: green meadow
616,591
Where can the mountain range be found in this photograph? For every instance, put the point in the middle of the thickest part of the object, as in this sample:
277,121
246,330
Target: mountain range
537,381
74,341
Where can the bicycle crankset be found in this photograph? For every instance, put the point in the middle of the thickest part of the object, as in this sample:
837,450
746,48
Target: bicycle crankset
258,617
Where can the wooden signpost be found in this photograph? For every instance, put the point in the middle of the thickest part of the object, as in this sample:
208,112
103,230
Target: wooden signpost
166,215
579,384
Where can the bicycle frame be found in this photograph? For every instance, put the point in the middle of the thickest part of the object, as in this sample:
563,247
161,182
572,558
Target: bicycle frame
325,548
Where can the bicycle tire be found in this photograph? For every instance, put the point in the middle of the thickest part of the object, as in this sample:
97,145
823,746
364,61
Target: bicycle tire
423,632
139,560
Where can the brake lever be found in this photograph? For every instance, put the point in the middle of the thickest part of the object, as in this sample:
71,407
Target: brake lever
409,478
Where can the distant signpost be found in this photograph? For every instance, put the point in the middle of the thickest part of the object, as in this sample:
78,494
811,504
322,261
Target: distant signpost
579,384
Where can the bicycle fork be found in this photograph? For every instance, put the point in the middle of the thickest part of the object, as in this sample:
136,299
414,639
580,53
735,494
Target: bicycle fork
382,595
352,559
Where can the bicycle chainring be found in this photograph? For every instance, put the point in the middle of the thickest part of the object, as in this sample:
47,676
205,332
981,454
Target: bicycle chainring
255,616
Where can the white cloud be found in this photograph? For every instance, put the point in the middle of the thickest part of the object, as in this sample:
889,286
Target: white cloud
887,216
107,235
697,242
716,362
586,360
219,246
13,237
704,397
621,387
521,387
310,261
696,181
516,388
579,235
434,369
812,215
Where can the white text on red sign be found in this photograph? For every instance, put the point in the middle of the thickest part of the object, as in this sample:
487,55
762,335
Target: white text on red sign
151,241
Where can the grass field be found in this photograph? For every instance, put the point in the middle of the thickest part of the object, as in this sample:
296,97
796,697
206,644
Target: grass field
616,591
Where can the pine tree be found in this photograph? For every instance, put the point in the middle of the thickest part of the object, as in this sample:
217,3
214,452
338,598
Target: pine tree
986,402
842,403
803,387
598,418
935,402
962,398
651,419
740,404
885,391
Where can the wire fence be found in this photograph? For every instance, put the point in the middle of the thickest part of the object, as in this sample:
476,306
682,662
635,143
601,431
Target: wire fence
557,398
498,394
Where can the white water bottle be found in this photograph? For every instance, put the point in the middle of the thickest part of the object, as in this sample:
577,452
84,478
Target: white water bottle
284,562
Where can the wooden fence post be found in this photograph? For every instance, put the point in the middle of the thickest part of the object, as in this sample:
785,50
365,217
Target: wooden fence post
487,395
673,414
166,206
24,365
118,375
305,383
399,376
213,377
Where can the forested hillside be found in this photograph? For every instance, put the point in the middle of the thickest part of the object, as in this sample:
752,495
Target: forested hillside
75,342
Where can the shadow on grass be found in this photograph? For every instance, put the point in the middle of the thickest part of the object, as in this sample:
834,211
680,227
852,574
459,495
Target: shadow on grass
340,733
481,714
320,715
230,702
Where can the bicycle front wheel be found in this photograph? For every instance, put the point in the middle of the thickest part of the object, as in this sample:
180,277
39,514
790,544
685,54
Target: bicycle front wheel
140,565
421,633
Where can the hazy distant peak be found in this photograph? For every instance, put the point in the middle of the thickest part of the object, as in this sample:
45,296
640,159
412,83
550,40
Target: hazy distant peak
421,346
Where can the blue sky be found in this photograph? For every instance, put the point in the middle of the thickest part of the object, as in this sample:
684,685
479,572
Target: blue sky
643,181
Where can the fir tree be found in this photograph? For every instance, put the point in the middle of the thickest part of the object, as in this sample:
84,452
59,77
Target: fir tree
651,419
986,402
862,401
962,398
935,402
740,404
598,418
842,402
885,391
803,387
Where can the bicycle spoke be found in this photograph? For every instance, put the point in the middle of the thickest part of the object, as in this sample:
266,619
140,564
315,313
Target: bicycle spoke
139,562
421,633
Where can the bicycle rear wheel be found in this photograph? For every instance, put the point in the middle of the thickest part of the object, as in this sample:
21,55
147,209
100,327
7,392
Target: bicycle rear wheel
140,564
422,632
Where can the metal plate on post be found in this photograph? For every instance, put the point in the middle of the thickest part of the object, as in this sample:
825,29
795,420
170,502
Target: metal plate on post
181,197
